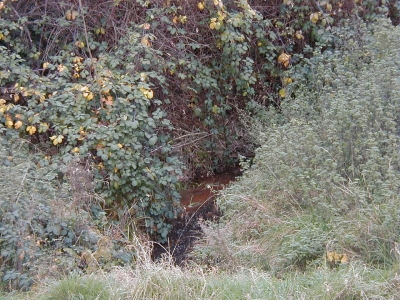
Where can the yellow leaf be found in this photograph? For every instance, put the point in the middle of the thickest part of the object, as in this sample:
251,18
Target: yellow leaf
215,109
330,256
31,129
90,96
182,19
9,122
2,101
287,80
16,97
119,145
145,26
284,59
17,124
75,150
56,139
150,94
68,15
314,17
299,35
175,19
345,259
80,44
61,68
282,93
200,5
145,41
336,256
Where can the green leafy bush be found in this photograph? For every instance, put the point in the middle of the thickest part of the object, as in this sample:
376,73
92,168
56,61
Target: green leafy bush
112,116
46,227
325,179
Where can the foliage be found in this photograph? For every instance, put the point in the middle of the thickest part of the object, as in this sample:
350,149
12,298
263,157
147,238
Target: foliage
325,179
104,108
214,55
46,229
134,89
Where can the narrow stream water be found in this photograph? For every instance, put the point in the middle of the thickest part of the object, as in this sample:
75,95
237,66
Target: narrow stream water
198,203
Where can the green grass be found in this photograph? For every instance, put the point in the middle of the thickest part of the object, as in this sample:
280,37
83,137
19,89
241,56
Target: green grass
163,281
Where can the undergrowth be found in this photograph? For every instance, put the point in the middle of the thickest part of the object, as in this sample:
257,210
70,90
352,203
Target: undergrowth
163,281
323,187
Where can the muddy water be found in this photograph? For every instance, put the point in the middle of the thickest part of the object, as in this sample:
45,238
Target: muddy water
201,193
198,204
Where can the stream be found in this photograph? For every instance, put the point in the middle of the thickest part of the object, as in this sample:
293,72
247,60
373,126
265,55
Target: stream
198,203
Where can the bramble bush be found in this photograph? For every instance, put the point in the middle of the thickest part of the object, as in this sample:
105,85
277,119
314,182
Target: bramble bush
323,186
51,228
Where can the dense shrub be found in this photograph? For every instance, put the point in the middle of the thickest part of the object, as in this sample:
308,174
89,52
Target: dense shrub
324,183
46,227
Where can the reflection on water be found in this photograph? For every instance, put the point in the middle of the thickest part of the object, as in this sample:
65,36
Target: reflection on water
202,191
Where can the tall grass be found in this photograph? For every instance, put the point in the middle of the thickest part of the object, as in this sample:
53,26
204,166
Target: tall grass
325,180
164,281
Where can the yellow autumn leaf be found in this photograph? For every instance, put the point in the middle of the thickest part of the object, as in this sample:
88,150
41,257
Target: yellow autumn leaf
345,259
17,124
299,35
175,19
282,93
120,145
2,101
145,26
31,129
145,41
214,24
284,59
90,96
215,109
80,44
287,80
150,94
9,122
61,68
200,5
75,150
314,17
57,139
336,256
16,97
183,19
330,256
